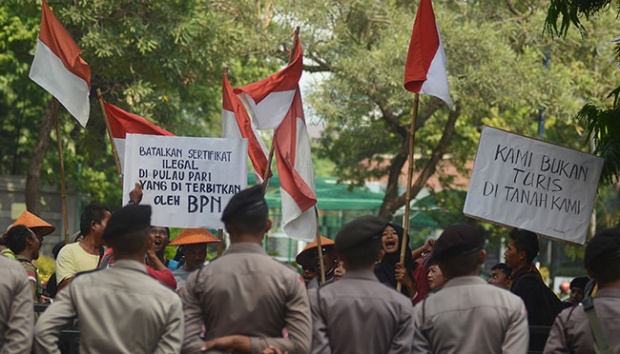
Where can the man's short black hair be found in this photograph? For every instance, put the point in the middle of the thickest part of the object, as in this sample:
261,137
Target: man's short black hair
459,266
362,255
503,267
606,272
92,212
129,243
247,224
16,238
525,241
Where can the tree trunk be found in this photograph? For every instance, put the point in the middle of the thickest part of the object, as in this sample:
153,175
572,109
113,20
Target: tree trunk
392,201
33,194
391,191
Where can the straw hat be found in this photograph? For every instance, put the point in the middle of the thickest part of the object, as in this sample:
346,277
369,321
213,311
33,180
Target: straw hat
39,226
192,236
303,258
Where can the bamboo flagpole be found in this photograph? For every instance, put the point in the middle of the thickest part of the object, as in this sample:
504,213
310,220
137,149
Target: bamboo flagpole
403,246
63,190
319,247
268,169
423,74
109,129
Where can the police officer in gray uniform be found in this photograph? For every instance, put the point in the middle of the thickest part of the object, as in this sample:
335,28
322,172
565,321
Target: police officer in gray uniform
358,314
572,330
16,308
468,315
245,299
120,309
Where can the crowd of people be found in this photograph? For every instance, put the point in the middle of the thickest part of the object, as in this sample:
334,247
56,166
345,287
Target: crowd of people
117,287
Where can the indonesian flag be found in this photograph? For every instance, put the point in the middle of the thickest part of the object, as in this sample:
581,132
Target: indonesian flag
269,100
276,101
122,123
58,68
236,123
425,70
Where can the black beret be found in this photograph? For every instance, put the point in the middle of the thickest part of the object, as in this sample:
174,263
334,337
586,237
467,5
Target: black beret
455,241
249,202
604,246
127,219
579,282
360,230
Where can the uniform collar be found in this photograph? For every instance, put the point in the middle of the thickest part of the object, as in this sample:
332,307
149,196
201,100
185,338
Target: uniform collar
465,280
245,247
607,292
129,264
360,274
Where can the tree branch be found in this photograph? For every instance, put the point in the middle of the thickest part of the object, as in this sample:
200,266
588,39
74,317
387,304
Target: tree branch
431,164
33,178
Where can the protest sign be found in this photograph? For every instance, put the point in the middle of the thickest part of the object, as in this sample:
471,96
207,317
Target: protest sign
188,181
533,185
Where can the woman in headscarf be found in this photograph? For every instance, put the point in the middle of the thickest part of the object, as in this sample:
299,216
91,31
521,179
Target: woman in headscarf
389,270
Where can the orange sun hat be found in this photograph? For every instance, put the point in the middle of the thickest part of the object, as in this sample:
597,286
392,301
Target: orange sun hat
39,226
303,258
193,236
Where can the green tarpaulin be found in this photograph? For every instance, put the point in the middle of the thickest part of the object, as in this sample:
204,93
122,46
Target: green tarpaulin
330,195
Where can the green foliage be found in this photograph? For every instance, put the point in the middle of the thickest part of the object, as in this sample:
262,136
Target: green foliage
46,266
495,65
570,12
603,125
599,118
160,59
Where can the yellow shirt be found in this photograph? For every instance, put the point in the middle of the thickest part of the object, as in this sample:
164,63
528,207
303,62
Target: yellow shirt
73,259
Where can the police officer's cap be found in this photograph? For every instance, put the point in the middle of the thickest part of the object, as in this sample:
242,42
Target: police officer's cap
359,231
249,202
127,219
603,247
456,241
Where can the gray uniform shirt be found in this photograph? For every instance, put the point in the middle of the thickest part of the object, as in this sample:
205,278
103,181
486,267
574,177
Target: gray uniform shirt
470,316
16,308
119,310
358,314
246,292
571,331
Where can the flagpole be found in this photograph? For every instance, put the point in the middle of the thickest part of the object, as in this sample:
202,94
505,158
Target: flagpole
63,190
319,246
268,169
109,129
403,246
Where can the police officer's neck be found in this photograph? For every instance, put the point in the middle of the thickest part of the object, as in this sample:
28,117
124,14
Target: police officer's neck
138,257
614,284
244,237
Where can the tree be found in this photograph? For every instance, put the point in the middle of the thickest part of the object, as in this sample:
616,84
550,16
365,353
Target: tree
159,59
600,116
495,57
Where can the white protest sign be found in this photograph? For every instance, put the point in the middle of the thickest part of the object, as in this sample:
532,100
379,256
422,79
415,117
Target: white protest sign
188,181
533,185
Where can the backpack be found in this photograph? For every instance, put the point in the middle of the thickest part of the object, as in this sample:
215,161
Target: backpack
552,304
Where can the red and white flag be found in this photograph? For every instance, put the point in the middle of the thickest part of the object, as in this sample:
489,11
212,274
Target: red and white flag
59,69
236,123
123,122
425,70
268,100
276,101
